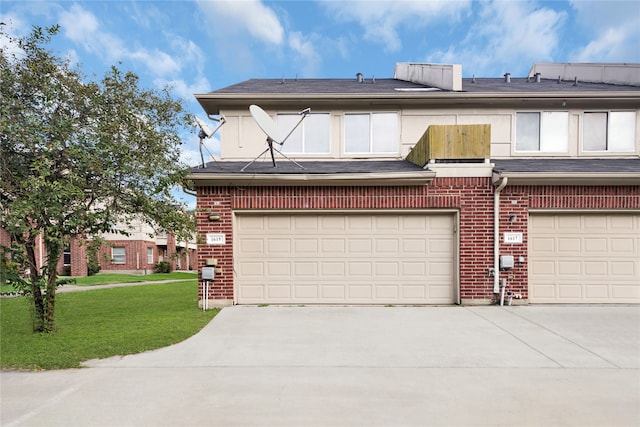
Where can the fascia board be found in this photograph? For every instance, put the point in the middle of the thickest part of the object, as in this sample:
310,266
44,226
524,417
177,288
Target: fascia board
568,178
355,179
212,102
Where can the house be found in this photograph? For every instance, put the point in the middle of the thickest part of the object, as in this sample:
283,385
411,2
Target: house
425,188
135,253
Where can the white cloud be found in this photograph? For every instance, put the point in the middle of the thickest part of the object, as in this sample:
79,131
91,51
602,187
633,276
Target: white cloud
83,28
157,61
13,27
184,90
508,36
613,30
304,49
381,20
236,18
78,25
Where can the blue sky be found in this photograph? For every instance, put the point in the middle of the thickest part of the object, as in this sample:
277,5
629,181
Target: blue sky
200,46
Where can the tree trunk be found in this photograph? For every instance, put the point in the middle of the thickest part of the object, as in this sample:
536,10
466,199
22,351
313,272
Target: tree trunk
50,299
34,278
53,255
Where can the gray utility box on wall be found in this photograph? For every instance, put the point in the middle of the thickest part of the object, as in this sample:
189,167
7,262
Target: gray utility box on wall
208,273
506,262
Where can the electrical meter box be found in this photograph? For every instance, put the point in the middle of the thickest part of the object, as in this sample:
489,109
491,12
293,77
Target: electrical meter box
506,262
208,273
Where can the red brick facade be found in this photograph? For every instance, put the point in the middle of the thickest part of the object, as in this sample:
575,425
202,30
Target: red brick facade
473,198
135,250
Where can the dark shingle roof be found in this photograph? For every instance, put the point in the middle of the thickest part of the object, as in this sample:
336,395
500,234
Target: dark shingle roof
567,165
392,86
317,86
310,167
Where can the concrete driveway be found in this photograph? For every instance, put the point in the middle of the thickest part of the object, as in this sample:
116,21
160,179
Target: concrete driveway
331,366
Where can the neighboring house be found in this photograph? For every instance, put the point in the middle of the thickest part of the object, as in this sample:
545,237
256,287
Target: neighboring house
399,182
136,253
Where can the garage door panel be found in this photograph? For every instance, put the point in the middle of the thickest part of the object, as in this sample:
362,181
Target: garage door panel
353,259
278,269
307,246
624,292
590,258
622,244
334,246
305,223
332,292
306,292
332,268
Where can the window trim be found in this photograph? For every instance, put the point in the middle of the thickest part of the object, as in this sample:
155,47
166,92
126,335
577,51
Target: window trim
113,255
370,153
607,152
516,152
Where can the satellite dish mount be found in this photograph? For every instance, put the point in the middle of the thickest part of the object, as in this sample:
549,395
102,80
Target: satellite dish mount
206,132
269,127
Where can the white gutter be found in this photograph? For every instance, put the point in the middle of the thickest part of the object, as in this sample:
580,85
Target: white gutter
421,177
496,235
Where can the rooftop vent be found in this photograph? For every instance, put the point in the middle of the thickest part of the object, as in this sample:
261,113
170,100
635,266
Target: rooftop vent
507,77
360,78
537,76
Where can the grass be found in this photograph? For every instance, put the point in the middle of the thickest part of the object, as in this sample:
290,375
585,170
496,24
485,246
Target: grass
99,324
109,278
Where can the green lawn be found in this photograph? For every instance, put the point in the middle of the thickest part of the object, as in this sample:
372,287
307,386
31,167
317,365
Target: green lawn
100,323
108,278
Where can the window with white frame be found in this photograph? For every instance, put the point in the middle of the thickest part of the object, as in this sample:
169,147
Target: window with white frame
118,255
149,255
310,137
609,131
546,131
371,133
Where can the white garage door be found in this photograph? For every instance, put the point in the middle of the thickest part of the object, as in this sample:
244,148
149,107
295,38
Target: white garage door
586,258
345,258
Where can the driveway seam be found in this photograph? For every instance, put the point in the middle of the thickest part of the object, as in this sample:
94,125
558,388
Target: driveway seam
516,337
564,338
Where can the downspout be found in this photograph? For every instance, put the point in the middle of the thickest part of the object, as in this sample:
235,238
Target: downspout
496,235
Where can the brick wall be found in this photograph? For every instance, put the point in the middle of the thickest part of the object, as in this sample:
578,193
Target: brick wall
473,197
135,256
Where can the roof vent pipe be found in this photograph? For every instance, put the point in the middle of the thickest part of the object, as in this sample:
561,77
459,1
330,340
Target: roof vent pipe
559,79
537,76
507,77
575,81
473,79
359,78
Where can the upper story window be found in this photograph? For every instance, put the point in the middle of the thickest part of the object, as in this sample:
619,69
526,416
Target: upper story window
311,137
371,133
609,131
546,131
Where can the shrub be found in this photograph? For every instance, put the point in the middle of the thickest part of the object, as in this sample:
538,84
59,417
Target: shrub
92,268
162,267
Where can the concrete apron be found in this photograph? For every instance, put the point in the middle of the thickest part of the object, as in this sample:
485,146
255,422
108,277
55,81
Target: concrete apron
533,365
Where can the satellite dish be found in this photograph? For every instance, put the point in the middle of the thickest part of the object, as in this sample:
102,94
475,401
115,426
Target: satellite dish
206,132
204,128
269,127
265,122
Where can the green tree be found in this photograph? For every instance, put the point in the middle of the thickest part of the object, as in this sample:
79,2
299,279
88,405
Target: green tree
77,156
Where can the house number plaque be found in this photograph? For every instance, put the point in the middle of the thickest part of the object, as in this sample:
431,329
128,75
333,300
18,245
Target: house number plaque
216,239
513,237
